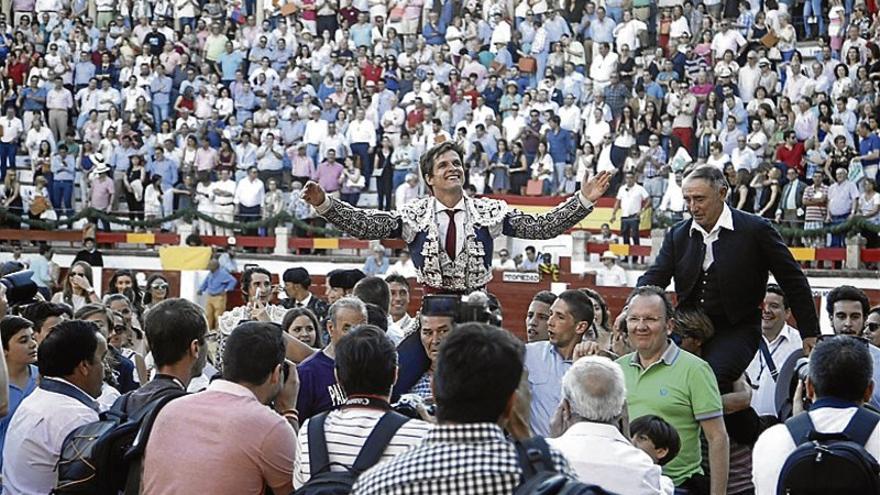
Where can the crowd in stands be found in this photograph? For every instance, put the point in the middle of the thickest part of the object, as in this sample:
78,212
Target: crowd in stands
149,108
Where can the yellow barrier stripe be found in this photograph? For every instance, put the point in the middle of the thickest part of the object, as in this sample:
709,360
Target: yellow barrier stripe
326,243
141,238
803,254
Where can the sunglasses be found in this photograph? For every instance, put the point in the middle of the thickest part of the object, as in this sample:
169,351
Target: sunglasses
119,329
872,327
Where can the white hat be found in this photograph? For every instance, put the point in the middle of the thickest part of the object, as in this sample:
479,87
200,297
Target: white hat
608,255
101,168
231,241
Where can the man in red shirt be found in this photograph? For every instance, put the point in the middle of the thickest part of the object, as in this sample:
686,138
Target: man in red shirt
791,153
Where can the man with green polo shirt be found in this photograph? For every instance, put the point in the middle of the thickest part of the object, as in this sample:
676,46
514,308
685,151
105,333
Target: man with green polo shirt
681,388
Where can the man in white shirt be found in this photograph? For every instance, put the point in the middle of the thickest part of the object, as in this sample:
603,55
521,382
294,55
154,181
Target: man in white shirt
778,342
223,192
742,156
748,76
632,198
316,131
604,63
610,274
71,365
59,102
504,261
839,383
593,397
406,192
249,194
12,128
361,138
513,124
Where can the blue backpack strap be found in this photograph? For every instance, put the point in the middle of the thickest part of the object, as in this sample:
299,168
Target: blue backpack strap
318,457
800,427
861,426
378,440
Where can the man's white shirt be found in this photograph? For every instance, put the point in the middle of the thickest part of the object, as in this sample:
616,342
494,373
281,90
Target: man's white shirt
764,397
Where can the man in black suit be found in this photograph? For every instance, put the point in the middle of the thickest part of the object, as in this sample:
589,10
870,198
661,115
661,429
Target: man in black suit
296,285
790,212
720,260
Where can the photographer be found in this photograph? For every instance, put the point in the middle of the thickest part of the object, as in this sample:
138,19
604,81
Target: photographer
839,383
438,316
366,365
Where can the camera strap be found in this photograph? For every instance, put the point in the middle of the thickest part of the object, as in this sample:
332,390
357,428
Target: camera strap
768,358
367,402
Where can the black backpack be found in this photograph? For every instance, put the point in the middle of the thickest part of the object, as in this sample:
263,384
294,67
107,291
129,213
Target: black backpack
830,463
103,457
326,482
540,476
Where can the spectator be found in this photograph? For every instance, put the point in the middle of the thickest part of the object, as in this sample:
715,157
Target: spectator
77,289
778,342
261,442
571,316
341,282
376,264
296,286
684,376
839,382
406,192
399,290
843,203
20,359
71,365
176,332
530,264
593,398
42,272
366,364
217,284
319,391
403,266
469,413
847,308
610,274
504,262
44,316
90,253
631,199
538,316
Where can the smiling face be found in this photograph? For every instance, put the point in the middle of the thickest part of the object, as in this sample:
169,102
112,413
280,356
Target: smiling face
447,173
647,324
399,300
774,313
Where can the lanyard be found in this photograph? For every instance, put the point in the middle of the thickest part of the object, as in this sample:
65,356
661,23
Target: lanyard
761,359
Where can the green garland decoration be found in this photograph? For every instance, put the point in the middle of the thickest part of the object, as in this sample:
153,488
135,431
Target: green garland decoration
851,226
187,214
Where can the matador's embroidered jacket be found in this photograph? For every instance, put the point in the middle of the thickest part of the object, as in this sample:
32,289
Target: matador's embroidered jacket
485,220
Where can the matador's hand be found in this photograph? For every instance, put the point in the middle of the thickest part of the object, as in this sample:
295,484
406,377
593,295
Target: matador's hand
313,193
596,186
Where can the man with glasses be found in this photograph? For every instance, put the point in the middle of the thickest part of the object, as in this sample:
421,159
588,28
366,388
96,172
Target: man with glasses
848,309
661,379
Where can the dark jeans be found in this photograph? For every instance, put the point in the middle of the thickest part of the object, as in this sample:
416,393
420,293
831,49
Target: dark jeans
629,230
838,240
7,157
362,150
62,196
697,484
249,214
351,198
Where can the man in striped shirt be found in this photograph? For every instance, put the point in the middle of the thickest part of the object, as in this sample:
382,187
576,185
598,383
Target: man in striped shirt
366,369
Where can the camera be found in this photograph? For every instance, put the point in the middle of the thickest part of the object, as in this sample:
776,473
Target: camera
409,405
802,368
475,307
20,287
